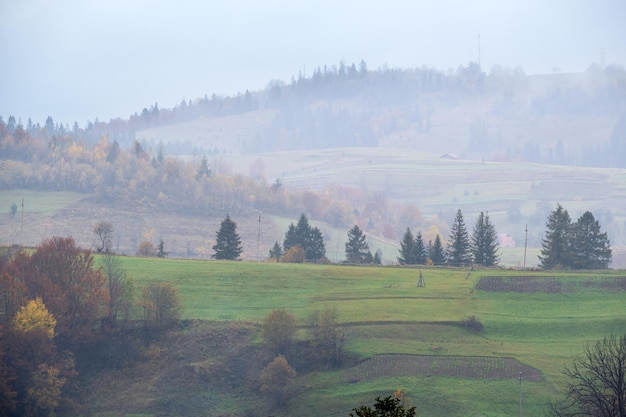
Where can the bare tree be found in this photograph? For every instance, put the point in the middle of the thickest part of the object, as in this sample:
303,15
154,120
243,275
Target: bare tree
121,288
596,381
104,236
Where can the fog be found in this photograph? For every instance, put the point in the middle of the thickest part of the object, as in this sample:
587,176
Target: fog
78,61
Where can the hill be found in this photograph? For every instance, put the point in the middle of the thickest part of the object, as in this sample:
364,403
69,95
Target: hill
398,336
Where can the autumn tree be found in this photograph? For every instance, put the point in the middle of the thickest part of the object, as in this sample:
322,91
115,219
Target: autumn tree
65,278
279,328
104,236
484,242
596,381
35,316
161,304
120,288
357,249
8,401
458,249
327,342
228,243
146,249
277,378
384,407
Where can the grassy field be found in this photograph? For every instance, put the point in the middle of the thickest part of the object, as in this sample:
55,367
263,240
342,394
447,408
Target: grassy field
385,314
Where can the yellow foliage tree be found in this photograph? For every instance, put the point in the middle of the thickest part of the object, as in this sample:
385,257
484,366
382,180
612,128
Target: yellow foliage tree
35,316
44,391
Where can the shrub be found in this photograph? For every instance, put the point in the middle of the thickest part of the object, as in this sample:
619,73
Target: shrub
472,324
294,255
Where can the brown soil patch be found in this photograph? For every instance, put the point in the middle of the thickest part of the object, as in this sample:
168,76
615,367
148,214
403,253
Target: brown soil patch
550,285
476,367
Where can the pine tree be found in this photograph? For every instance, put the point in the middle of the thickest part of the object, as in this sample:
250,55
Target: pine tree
315,249
407,248
276,252
228,244
484,245
556,245
458,250
357,249
590,248
419,250
436,252
308,238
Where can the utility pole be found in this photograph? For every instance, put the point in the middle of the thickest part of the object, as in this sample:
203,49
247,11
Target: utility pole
525,244
520,394
258,239
22,223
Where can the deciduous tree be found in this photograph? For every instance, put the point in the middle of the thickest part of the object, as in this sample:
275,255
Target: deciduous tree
104,236
228,243
277,378
596,381
328,339
161,304
64,276
278,330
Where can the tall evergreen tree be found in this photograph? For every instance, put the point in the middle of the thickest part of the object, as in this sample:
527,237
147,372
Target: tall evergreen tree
357,249
458,250
591,249
436,253
316,249
407,248
228,245
484,245
309,238
419,250
556,245
291,238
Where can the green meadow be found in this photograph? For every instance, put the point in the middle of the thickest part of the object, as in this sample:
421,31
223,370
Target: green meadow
384,313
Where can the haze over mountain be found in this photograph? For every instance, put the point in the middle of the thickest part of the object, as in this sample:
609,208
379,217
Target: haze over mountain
80,61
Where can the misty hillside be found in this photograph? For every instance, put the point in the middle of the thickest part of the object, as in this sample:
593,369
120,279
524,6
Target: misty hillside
567,119
386,149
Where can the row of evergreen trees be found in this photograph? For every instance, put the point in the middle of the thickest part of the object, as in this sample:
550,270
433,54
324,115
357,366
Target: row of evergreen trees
579,245
481,248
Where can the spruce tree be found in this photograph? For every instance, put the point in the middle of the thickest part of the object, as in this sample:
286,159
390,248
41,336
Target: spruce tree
419,250
357,249
591,249
309,238
556,245
407,248
276,252
458,250
484,245
228,245
436,253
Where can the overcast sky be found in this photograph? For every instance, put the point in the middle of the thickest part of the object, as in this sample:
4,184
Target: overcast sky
77,60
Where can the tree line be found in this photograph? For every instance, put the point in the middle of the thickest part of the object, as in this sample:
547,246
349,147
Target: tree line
57,301
579,245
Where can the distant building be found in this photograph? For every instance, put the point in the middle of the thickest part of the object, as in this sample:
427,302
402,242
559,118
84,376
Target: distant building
450,156
505,240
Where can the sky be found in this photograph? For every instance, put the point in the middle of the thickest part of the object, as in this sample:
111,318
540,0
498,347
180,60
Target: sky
78,60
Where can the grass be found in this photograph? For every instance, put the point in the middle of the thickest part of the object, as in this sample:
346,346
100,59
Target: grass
383,312
43,203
